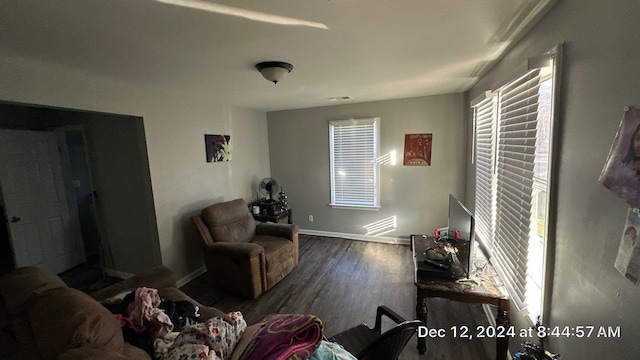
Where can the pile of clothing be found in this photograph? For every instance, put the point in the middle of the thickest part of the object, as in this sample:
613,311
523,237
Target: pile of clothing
168,330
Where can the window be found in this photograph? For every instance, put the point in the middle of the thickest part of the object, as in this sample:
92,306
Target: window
353,151
484,130
540,193
513,135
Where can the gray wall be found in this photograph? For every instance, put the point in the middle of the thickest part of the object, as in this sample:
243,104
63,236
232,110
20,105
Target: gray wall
601,76
418,196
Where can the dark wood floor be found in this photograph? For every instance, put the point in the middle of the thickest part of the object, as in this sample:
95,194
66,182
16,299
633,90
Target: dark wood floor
342,282
87,277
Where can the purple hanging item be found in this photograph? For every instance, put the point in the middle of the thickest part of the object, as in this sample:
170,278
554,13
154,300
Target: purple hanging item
621,172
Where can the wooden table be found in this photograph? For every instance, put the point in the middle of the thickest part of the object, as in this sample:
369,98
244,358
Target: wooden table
276,218
487,289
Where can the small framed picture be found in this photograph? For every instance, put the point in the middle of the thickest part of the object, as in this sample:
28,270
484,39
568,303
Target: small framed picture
417,149
628,259
218,147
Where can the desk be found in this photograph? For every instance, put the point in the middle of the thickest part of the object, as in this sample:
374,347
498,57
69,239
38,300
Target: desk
276,218
489,290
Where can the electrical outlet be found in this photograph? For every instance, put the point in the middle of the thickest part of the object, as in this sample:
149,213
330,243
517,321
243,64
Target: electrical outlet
310,218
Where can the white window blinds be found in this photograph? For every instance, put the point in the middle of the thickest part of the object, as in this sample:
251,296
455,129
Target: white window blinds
513,141
484,115
515,155
353,148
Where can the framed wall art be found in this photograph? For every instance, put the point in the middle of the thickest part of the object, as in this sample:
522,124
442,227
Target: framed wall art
417,149
218,147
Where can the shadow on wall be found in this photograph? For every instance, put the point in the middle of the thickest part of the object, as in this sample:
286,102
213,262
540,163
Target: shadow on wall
6,254
193,248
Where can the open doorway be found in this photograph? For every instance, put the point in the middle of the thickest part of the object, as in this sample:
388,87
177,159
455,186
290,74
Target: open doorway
112,185
90,275
43,224
84,193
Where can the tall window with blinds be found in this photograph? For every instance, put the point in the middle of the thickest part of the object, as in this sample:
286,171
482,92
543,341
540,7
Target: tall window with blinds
513,137
484,116
515,157
354,149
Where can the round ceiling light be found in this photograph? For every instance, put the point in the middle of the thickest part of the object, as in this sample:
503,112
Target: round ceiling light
274,70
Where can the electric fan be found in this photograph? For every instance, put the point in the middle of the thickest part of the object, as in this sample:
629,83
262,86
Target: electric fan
268,186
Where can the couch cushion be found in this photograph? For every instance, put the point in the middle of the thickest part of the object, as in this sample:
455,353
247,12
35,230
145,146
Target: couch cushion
276,249
230,221
17,287
97,353
63,318
20,331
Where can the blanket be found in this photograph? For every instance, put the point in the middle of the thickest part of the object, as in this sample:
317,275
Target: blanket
285,336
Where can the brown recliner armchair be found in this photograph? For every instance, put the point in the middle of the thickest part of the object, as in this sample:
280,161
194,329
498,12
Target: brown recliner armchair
242,256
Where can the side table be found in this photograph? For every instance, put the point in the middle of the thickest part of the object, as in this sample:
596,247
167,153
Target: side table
276,218
487,290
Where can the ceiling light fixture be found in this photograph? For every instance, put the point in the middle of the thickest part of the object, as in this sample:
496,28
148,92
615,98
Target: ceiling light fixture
274,70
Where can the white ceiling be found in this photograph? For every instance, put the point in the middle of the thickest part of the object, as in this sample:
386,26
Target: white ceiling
371,49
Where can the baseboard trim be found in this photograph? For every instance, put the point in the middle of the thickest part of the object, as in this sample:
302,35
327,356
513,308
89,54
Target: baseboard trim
194,274
378,239
117,273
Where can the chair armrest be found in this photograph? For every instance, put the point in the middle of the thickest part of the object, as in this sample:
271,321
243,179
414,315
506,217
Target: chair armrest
244,250
287,231
384,310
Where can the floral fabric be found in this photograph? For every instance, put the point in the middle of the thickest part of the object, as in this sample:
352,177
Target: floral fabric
214,339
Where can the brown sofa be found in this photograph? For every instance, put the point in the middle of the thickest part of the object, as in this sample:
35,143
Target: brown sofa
242,256
49,320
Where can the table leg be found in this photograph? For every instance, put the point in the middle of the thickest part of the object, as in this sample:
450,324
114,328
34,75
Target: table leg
502,344
421,312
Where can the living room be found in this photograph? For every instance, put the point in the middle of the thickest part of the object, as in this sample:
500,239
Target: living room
166,123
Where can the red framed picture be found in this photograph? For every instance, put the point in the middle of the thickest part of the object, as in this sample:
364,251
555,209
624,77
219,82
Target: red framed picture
417,149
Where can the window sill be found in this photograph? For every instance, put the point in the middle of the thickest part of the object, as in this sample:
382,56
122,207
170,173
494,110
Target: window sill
355,207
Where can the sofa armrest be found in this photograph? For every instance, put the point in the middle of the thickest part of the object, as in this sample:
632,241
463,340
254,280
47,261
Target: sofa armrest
242,250
159,277
287,231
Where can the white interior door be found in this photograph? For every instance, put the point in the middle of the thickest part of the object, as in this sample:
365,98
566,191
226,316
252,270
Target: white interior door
43,231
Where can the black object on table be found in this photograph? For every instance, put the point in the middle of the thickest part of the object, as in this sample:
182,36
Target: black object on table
288,214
